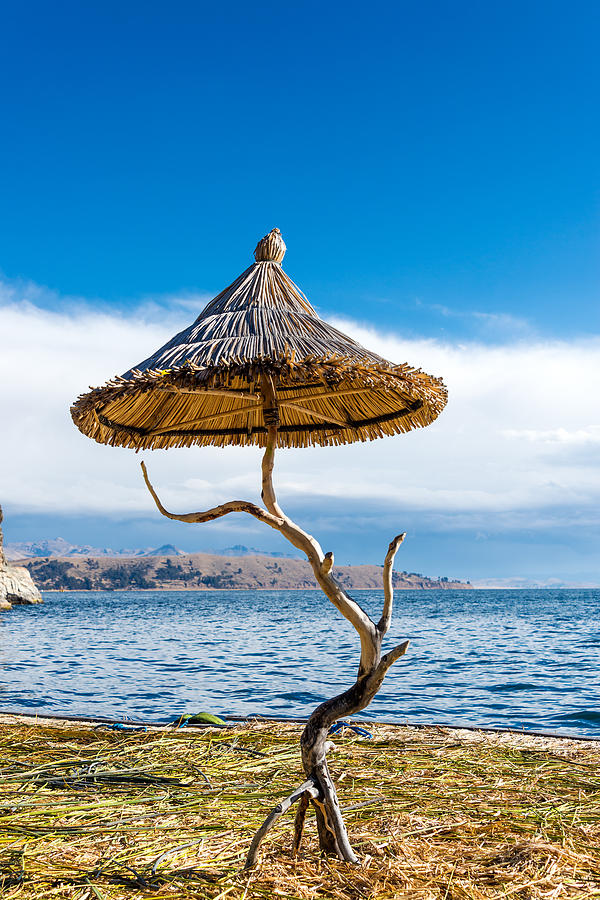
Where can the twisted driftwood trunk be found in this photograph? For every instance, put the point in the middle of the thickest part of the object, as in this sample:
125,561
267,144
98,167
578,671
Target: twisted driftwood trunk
318,788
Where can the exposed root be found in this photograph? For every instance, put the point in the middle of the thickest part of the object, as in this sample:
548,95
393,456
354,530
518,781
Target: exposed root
309,787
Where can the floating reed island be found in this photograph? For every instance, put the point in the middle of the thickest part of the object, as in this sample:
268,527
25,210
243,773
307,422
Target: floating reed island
435,813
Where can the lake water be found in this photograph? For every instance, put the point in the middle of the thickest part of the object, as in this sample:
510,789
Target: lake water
520,659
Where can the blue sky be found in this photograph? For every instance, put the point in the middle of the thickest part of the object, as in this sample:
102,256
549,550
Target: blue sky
433,167
417,156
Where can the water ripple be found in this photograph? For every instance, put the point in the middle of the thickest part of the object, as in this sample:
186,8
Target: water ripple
524,659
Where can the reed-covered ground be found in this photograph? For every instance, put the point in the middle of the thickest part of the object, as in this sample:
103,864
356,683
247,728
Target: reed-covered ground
434,814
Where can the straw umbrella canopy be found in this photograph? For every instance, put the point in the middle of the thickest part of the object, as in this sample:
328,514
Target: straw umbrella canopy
259,367
258,354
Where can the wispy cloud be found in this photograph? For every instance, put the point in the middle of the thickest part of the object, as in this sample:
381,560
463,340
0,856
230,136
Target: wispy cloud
172,309
502,324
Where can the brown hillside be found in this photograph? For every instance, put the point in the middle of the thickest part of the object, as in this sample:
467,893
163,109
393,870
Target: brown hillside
203,571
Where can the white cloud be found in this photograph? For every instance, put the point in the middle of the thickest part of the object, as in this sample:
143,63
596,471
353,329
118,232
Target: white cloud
487,455
480,455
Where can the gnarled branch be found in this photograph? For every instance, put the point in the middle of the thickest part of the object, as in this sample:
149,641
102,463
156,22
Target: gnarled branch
348,607
217,511
319,787
276,519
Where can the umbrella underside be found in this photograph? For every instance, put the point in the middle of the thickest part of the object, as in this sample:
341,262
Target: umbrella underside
326,406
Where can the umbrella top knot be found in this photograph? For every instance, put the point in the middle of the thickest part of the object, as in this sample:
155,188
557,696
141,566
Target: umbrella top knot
271,248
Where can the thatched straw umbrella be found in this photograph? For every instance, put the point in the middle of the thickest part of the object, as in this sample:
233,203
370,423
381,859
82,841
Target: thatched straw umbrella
259,367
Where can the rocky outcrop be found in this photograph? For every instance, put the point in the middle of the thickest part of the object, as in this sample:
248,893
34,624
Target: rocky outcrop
16,584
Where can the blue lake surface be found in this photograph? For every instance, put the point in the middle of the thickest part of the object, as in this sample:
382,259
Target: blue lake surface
519,659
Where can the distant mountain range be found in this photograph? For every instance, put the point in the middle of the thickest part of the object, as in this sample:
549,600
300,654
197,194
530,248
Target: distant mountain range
59,565
58,547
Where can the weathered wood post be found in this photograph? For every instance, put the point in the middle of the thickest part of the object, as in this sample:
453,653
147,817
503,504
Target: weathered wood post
319,787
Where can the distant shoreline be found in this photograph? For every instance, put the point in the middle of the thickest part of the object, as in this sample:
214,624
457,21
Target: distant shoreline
210,572
209,590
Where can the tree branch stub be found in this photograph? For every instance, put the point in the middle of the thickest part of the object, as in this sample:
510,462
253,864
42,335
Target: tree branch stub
388,590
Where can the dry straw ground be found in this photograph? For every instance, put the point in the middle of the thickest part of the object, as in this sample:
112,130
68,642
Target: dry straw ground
435,814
